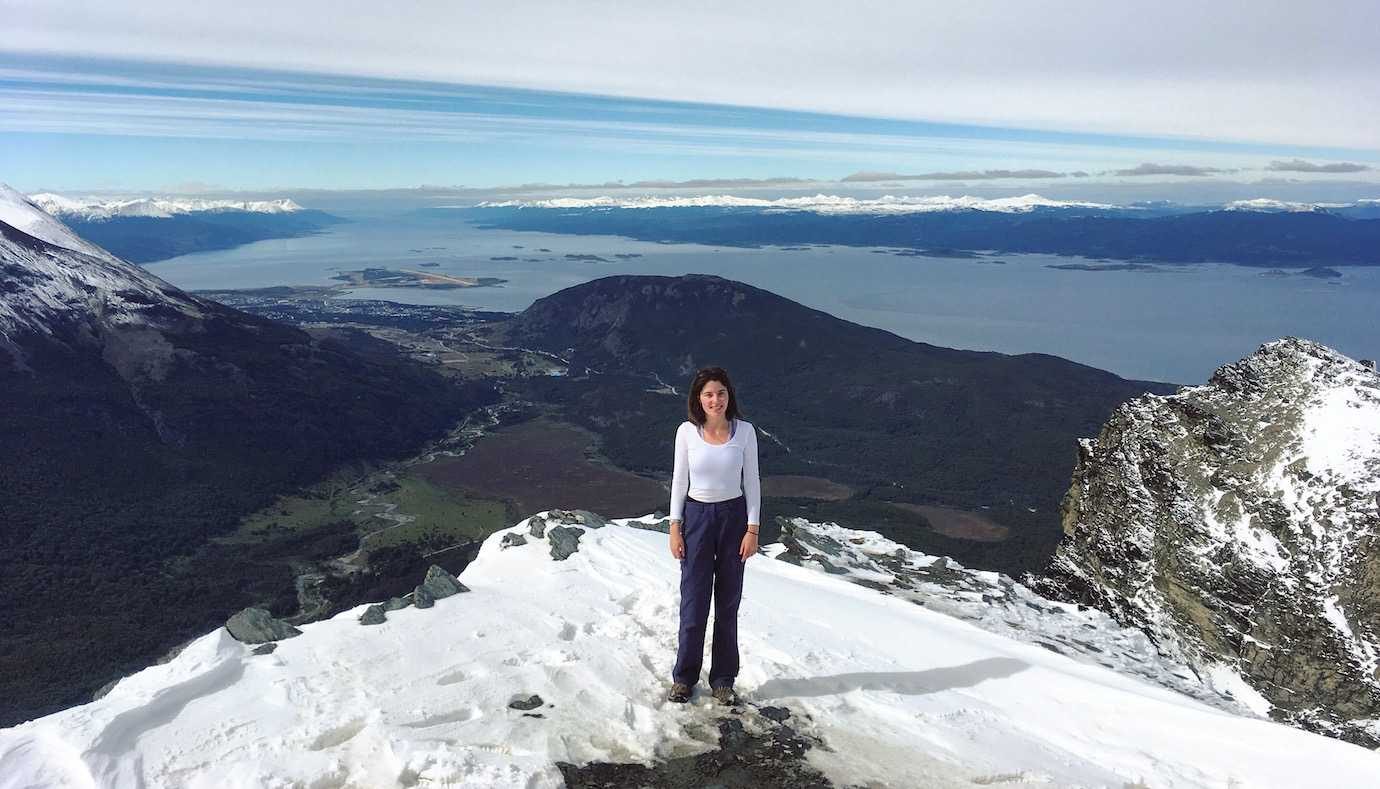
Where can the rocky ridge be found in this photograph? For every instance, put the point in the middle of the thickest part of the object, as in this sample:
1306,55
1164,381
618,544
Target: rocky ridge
1236,524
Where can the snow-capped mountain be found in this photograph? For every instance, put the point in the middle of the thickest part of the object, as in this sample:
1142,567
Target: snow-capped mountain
136,423
550,669
821,203
1269,205
1238,524
92,209
58,282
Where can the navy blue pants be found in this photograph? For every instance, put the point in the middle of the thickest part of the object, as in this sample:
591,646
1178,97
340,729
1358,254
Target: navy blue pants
713,536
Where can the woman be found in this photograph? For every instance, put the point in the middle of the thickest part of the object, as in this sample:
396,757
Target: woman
716,502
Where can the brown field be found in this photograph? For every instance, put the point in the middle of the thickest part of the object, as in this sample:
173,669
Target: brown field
790,486
959,524
543,464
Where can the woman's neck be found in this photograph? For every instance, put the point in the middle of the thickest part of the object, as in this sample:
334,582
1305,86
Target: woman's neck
716,425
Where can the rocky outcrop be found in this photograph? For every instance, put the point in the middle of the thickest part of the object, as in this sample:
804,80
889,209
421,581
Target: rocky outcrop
565,541
439,584
257,626
1238,525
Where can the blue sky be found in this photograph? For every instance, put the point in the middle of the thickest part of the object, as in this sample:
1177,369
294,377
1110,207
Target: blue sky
320,97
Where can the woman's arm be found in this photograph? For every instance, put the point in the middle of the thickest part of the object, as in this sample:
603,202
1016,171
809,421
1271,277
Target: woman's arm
752,484
680,476
680,487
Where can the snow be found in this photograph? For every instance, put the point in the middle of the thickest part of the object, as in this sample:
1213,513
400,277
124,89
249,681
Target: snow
96,209
902,695
72,280
23,214
823,204
1269,205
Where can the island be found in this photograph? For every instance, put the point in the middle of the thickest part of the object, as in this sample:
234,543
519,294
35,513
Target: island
430,280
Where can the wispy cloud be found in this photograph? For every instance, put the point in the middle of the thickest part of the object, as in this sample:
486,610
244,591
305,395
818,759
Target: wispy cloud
1300,166
1293,77
954,175
1148,168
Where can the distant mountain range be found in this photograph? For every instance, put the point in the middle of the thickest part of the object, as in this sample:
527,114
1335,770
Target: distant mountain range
137,422
1252,233
149,229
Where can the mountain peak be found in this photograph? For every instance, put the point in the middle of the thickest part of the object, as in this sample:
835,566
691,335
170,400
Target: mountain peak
24,215
1235,522
56,283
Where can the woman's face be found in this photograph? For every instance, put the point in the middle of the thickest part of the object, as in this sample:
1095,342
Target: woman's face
714,400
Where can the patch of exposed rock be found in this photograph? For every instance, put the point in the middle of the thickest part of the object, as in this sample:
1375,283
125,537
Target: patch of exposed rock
756,751
565,541
257,626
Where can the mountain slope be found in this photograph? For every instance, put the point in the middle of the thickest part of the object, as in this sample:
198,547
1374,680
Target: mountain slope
136,422
906,421
864,687
1238,524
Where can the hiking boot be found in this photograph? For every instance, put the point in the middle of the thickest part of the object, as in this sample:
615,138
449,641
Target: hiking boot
680,693
725,696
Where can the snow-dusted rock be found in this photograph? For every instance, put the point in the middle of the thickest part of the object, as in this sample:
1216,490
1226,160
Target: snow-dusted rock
1236,523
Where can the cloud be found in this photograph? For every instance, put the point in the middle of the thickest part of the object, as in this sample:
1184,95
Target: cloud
1309,80
1170,169
1300,166
957,175
715,183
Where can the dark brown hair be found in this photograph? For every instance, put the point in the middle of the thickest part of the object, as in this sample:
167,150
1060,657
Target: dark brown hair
694,410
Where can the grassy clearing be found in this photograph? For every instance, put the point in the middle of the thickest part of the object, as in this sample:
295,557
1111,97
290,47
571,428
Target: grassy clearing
441,517
334,500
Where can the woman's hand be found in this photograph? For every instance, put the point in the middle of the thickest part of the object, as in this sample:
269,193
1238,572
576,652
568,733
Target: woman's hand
677,541
749,546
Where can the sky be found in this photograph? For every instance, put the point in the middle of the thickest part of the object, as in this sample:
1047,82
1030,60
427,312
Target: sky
171,96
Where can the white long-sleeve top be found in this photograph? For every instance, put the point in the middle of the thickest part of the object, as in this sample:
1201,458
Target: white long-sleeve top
716,472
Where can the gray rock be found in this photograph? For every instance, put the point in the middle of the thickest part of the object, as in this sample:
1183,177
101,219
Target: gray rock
422,598
396,603
373,615
266,649
536,526
528,703
439,584
777,714
512,540
819,542
663,525
590,519
582,517
256,625
830,567
565,540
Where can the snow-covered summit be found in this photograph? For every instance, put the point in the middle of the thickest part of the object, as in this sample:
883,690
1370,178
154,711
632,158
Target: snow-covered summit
546,665
823,204
93,209
54,278
1271,206
28,216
